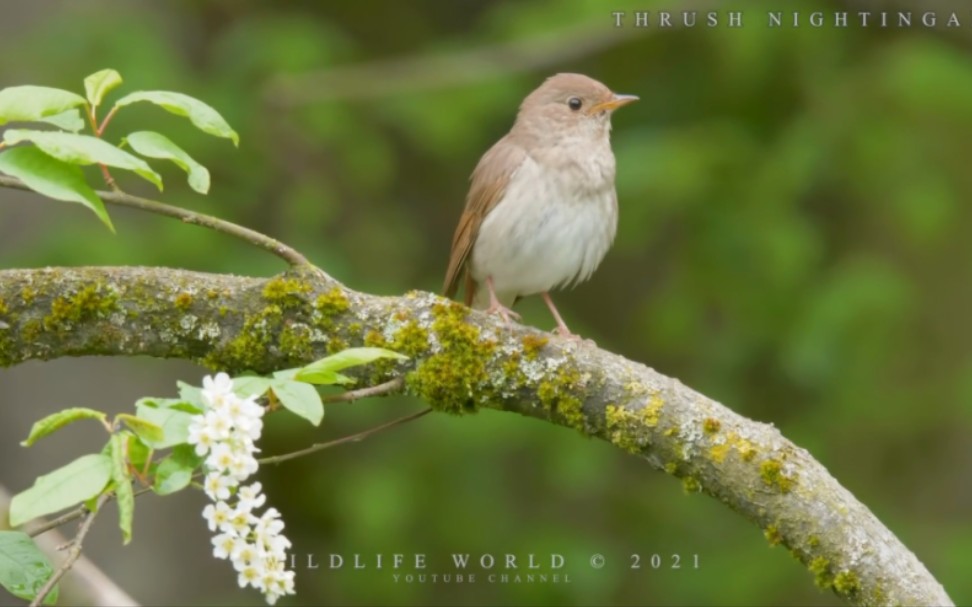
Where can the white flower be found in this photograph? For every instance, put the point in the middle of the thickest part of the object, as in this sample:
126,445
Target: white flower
221,384
244,411
217,486
225,545
275,546
285,582
241,466
240,522
217,515
252,408
276,583
269,523
221,457
250,497
219,423
245,554
226,435
201,435
249,575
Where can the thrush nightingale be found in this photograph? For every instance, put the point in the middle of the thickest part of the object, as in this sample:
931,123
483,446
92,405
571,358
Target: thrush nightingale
541,211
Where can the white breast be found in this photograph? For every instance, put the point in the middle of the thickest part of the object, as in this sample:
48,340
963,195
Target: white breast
551,229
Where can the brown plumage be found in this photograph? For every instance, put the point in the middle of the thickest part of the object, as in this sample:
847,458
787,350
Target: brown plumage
488,185
541,210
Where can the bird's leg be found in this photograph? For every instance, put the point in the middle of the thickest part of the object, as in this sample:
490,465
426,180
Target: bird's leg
561,325
495,307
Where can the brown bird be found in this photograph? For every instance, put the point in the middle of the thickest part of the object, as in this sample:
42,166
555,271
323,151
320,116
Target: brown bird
541,212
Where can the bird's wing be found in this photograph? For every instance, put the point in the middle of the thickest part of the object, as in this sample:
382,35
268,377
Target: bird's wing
489,182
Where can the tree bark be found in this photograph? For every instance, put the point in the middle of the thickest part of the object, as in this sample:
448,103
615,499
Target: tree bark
461,360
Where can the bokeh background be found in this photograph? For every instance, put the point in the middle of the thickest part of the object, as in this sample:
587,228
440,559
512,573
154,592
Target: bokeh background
794,242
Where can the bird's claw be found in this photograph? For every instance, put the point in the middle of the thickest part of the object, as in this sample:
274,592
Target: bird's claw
505,313
565,333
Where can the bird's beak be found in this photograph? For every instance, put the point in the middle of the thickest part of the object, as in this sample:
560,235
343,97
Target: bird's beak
613,103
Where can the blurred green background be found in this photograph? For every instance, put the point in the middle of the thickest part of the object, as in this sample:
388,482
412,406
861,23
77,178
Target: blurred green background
793,241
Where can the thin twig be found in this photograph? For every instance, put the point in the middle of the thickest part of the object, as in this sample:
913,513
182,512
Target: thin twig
86,583
74,552
81,511
71,515
253,237
353,395
65,518
100,130
353,438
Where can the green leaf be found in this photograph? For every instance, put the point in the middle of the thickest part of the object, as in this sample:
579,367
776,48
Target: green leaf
69,121
286,373
124,494
83,150
23,567
204,117
82,479
323,377
55,421
179,404
27,103
138,453
174,423
175,471
52,178
300,398
157,145
251,385
191,394
324,370
146,430
99,84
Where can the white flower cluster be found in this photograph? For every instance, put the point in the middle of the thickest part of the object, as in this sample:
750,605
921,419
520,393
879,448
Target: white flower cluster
225,434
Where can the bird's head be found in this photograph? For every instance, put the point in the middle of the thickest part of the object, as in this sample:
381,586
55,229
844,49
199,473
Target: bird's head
568,104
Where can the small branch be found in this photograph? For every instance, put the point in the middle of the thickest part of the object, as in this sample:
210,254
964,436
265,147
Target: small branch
253,237
353,438
386,387
104,123
352,395
98,130
69,516
64,519
109,180
86,583
74,553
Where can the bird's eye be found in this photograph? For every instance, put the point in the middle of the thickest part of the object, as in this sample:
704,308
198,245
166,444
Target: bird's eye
575,103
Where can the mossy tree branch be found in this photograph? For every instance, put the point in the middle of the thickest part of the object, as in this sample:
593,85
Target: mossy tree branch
460,361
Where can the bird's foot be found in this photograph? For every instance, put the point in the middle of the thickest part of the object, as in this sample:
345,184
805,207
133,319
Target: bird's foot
505,313
495,307
564,332
561,328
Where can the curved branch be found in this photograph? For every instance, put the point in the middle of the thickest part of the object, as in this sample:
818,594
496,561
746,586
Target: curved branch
252,237
462,360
